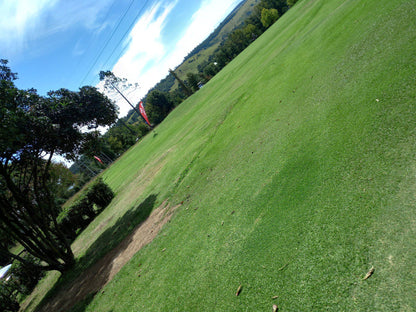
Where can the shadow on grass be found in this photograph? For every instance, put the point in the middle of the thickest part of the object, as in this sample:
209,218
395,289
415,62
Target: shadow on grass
82,305
114,235
77,287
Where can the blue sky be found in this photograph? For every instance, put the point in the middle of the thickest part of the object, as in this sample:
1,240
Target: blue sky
54,44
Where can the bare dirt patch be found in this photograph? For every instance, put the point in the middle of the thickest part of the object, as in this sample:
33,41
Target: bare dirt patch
102,272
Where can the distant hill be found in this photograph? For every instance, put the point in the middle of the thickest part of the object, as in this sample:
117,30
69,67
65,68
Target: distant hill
206,49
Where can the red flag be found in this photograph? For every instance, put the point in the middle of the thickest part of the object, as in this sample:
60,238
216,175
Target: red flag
142,111
98,159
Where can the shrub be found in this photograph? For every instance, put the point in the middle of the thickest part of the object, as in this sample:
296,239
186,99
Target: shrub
8,297
26,274
268,17
100,194
77,216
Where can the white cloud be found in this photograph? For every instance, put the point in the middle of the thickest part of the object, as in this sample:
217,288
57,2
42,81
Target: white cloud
24,21
145,46
147,59
18,17
203,23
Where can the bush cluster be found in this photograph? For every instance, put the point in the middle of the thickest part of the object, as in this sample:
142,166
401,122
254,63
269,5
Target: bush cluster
8,297
89,204
23,277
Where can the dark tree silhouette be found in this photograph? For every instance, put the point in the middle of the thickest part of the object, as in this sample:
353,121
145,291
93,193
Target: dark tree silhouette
34,129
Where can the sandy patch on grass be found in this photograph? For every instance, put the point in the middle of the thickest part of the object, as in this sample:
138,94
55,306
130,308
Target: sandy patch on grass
101,273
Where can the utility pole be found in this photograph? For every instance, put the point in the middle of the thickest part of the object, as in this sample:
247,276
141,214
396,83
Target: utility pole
110,79
185,88
119,92
125,125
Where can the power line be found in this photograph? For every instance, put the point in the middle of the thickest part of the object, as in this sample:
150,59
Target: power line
75,69
125,33
107,42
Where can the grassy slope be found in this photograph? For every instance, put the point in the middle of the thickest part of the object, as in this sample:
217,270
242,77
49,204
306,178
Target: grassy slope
319,174
296,168
308,137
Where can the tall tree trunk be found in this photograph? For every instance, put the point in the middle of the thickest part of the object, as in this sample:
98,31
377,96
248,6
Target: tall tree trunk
33,223
185,88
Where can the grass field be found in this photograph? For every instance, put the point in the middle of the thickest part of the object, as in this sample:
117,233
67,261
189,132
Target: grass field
296,169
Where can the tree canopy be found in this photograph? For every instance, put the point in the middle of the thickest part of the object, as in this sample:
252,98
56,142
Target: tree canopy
268,17
158,105
33,129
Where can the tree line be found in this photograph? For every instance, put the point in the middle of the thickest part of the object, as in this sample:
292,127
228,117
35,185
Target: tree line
264,14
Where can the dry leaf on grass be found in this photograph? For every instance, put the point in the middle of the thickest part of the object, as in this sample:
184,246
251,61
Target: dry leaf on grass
369,273
238,290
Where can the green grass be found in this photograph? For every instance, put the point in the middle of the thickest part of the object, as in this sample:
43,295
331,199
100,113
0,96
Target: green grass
296,169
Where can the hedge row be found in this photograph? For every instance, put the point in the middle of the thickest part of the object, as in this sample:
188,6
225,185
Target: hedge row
89,204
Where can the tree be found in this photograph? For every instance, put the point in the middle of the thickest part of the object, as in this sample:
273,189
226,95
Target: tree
236,42
158,105
181,83
60,182
26,275
8,297
112,82
6,242
291,2
193,81
268,17
210,70
33,130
